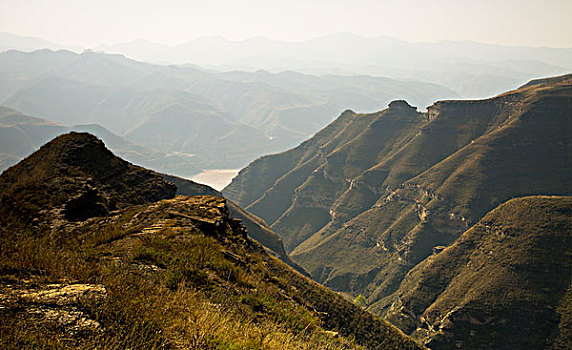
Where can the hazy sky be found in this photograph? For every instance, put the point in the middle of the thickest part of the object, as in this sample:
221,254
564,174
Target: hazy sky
93,22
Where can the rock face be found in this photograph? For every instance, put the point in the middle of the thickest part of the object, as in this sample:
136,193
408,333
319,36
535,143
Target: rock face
87,204
206,213
371,196
52,305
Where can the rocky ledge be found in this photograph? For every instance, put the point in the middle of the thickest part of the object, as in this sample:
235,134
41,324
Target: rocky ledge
52,305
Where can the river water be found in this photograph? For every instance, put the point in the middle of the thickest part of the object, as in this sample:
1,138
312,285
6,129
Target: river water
216,178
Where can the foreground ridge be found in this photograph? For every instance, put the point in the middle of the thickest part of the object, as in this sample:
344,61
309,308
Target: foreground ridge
146,272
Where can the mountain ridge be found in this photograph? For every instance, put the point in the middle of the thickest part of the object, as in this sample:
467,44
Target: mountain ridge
373,221
101,253
513,262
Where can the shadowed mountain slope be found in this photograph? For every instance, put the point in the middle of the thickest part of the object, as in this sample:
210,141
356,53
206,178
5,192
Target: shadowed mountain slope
504,284
80,166
97,252
371,196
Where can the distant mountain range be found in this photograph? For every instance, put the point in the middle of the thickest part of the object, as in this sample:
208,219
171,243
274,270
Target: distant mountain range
21,135
370,203
10,41
217,120
471,69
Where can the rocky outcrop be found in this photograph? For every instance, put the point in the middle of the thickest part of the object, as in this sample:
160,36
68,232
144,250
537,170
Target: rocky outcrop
52,305
257,229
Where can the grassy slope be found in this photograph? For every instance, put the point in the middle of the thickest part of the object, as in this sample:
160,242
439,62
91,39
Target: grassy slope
257,228
502,285
174,284
178,273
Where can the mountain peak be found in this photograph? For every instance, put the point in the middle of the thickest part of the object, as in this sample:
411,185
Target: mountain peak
400,104
76,171
78,148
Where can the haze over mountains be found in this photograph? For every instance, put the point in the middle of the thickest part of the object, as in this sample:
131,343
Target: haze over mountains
223,120
10,41
490,69
372,196
218,120
21,135
471,69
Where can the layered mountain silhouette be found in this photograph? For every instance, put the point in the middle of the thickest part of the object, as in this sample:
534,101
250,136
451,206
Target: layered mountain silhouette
217,120
21,135
472,69
10,41
99,252
372,196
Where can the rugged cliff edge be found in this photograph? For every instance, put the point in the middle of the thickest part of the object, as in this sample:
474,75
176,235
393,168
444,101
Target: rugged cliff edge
256,227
